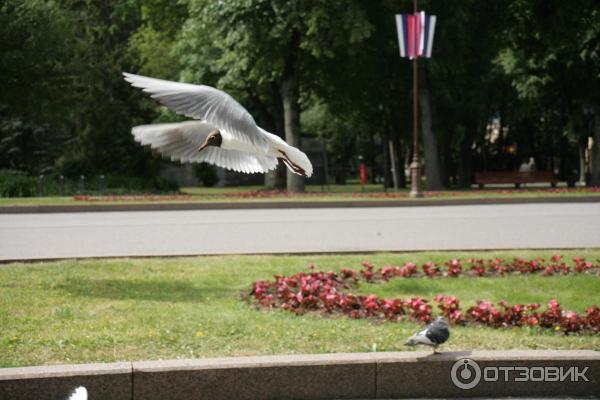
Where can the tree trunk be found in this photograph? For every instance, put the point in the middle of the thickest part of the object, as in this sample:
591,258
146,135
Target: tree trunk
273,122
387,175
446,156
290,94
430,145
595,158
465,159
277,177
398,156
581,150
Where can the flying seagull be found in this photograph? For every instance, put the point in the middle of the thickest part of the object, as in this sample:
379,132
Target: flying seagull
433,335
222,133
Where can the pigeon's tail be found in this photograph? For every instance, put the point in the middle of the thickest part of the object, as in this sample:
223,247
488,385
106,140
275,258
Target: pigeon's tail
296,161
79,394
412,341
419,338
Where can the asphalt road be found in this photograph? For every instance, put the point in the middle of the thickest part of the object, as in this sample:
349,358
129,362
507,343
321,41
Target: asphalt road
99,234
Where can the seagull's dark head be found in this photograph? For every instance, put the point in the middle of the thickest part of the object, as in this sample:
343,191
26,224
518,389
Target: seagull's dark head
213,139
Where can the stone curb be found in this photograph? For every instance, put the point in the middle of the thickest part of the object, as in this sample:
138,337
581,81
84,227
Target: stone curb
320,376
286,204
56,382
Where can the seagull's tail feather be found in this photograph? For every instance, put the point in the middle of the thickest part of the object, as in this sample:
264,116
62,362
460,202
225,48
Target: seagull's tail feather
299,161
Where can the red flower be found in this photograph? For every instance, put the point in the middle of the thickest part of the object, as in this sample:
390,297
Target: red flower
407,270
325,292
454,267
430,269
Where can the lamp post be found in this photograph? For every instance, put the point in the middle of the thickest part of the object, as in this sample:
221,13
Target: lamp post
415,37
415,166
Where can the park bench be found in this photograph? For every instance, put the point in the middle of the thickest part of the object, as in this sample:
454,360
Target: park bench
516,177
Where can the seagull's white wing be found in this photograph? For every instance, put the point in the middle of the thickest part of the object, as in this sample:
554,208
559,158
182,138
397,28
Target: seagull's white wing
203,103
180,141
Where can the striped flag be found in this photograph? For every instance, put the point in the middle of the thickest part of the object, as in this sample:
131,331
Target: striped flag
419,24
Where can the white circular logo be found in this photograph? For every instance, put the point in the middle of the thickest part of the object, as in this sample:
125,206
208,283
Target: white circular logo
465,373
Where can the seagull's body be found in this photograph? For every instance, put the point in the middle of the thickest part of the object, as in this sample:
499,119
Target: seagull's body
433,335
223,132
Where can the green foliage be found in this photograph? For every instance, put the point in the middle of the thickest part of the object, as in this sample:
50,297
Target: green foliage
28,145
155,53
37,47
245,44
128,184
550,56
16,184
534,65
206,174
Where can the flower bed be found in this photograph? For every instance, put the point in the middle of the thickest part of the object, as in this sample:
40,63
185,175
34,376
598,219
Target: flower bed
137,198
403,195
329,292
282,194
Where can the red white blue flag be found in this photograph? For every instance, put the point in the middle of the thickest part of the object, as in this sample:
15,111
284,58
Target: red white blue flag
421,25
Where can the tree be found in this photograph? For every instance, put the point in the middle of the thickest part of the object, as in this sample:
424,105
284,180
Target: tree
274,46
463,85
106,108
552,56
36,66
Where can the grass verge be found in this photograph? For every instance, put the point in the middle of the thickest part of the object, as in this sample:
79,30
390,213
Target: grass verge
314,193
135,309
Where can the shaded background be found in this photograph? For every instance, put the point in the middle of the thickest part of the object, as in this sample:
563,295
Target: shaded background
508,80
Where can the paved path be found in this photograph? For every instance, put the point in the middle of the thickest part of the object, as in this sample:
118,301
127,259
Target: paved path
41,236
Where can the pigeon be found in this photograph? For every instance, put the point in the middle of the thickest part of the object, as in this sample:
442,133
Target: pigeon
222,133
433,335
79,394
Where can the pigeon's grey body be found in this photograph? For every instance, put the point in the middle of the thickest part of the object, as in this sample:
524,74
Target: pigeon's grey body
433,335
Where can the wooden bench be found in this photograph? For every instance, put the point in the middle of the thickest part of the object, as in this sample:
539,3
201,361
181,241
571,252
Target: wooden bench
516,177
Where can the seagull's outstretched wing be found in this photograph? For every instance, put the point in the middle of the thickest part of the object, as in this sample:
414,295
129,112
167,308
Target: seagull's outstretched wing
203,103
180,141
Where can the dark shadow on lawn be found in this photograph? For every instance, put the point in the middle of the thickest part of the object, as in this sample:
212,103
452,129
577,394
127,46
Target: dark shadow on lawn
175,291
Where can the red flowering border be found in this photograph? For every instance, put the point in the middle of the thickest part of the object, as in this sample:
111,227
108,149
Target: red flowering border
400,195
137,197
329,293
267,194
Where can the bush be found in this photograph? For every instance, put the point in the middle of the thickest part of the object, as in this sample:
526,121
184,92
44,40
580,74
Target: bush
16,184
122,184
206,174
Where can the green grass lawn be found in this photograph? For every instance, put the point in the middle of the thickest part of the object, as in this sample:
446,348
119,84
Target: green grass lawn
348,192
137,309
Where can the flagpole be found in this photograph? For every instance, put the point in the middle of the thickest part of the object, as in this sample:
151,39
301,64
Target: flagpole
415,169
